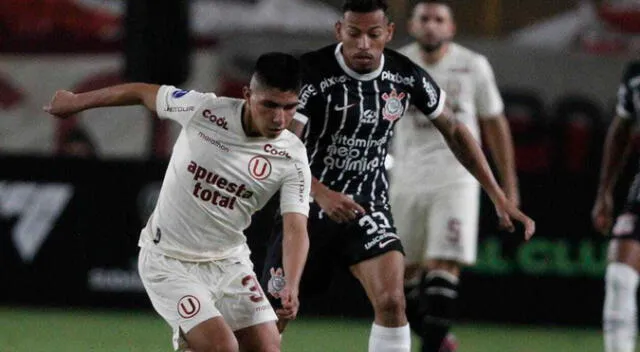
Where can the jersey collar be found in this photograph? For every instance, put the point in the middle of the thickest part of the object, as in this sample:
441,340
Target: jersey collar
353,74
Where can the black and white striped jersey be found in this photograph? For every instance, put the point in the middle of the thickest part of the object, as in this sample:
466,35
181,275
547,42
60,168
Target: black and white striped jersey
628,107
350,118
629,92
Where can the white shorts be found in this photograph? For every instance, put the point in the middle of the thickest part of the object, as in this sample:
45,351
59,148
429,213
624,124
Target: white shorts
439,224
187,293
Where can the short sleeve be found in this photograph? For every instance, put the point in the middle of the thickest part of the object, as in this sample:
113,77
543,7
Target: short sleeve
487,96
625,107
427,95
310,99
296,187
179,105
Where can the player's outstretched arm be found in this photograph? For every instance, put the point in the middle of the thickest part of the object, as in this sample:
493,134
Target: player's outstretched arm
295,246
65,103
470,155
500,144
616,150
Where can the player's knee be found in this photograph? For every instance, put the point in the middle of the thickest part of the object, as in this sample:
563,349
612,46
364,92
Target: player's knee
390,302
215,346
270,346
450,266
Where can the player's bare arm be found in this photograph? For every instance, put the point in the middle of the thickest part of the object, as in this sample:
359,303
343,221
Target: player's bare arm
500,143
470,155
616,150
338,206
295,247
65,103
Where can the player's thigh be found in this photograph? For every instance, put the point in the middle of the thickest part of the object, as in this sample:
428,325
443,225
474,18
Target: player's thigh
452,225
382,278
242,301
409,210
183,300
259,338
624,246
210,335
374,253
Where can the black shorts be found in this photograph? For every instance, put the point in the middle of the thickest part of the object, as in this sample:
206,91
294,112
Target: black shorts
626,225
334,245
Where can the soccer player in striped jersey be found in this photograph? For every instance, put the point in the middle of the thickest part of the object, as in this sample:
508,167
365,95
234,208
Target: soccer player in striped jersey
621,280
353,94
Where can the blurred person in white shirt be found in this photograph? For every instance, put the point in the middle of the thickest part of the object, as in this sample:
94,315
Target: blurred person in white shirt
434,199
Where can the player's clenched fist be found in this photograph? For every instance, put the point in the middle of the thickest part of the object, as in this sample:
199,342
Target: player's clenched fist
62,104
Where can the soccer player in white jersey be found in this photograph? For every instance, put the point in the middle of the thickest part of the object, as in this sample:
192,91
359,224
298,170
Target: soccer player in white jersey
434,199
231,156
620,311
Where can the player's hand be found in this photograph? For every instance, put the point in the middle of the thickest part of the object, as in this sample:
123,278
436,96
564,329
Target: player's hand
338,206
62,105
290,306
507,211
278,287
602,213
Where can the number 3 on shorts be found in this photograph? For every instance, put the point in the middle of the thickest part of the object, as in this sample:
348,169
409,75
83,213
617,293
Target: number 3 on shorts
250,282
373,226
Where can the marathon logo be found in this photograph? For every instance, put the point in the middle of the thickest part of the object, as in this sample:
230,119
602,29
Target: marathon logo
331,81
217,183
269,148
398,78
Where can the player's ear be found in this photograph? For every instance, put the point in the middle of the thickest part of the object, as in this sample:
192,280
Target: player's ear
246,93
391,28
338,27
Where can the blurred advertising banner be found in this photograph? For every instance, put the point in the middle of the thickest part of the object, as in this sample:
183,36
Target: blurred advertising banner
69,229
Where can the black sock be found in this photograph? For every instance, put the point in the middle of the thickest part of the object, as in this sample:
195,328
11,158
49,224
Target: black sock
439,291
412,297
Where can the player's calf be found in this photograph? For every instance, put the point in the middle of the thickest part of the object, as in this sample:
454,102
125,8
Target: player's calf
620,310
438,294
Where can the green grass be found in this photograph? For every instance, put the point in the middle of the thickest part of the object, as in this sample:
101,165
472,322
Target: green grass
51,330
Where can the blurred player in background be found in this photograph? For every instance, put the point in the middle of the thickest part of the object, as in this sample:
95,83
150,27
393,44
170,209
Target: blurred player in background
231,156
353,94
621,280
434,199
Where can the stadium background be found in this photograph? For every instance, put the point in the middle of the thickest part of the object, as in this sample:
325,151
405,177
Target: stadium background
74,194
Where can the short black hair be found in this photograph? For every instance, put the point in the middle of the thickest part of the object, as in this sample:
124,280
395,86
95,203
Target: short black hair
365,6
278,70
436,2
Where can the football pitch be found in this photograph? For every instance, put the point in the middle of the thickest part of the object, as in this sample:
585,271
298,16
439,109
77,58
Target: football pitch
52,330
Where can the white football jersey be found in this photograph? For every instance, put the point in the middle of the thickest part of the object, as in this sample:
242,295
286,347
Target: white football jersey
218,177
422,157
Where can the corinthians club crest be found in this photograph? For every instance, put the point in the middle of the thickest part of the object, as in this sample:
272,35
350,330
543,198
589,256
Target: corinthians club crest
393,107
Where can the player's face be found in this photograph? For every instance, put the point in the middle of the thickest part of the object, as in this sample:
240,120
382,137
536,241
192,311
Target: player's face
271,110
432,25
363,37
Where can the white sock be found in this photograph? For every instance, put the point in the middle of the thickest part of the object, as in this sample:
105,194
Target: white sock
383,339
619,313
